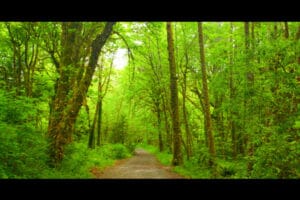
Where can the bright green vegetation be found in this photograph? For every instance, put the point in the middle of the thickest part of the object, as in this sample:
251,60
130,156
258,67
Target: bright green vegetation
213,99
163,157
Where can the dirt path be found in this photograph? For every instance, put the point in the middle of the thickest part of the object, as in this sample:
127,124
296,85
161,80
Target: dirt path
141,165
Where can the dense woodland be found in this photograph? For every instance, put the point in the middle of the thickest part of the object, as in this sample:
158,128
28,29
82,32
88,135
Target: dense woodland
211,99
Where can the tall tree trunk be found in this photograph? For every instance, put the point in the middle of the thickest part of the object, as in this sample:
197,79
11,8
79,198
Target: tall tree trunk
218,121
177,154
200,97
185,117
99,122
250,83
232,112
187,128
17,64
67,101
184,108
286,30
102,89
99,106
275,32
275,62
157,90
59,130
298,38
91,143
167,125
207,115
30,57
242,136
160,140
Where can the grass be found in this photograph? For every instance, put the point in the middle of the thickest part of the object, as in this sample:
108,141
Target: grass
79,161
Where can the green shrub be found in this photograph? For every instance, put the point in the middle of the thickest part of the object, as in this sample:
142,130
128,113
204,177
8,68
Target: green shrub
226,169
23,151
2,173
79,159
119,151
131,147
276,159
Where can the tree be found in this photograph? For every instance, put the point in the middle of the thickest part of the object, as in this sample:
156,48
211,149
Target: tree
102,90
207,115
71,87
177,154
184,69
250,85
25,41
232,89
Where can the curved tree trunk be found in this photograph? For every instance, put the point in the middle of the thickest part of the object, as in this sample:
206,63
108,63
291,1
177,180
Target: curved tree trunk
68,100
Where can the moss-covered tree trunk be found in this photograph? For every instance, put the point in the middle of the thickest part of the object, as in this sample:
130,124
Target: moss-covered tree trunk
207,115
71,88
177,154
185,116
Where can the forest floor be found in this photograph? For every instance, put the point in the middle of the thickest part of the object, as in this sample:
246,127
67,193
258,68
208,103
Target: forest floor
142,165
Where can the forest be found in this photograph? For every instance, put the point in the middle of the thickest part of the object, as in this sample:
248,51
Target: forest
211,100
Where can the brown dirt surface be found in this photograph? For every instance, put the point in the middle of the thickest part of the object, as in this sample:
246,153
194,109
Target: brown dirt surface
142,165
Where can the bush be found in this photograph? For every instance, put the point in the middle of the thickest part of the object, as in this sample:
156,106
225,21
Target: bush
117,151
131,147
277,159
23,151
79,159
2,173
192,169
226,169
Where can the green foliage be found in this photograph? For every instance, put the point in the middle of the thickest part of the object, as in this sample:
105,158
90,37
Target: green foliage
23,151
277,158
297,125
189,170
82,125
119,131
226,170
79,159
22,145
256,90
24,148
131,146
232,168
118,151
16,110
163,157
202,156
195,167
